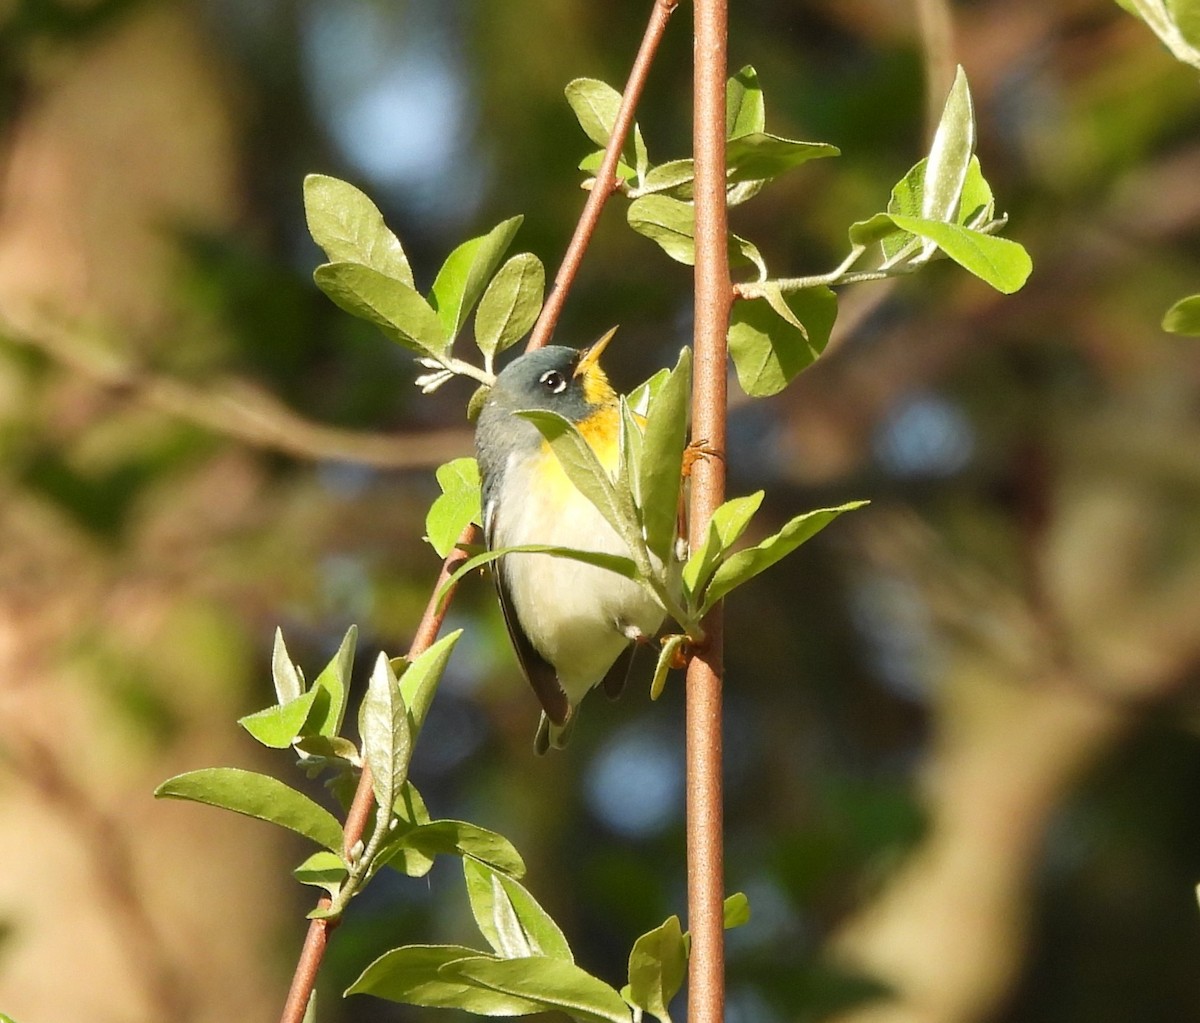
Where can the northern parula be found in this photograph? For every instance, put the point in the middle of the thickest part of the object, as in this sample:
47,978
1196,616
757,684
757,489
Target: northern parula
573,625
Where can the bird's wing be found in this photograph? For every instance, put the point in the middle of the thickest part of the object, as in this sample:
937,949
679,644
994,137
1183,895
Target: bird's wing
540,672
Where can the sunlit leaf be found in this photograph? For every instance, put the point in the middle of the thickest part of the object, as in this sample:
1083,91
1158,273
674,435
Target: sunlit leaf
457,505
278,726
256,795
419,681
950,154
736,910
463,277
552,983
334,681
663,441
1002,263
1184,316
386,740
977,204
759,156
287,679
322,869
746,564
391,305
745,110
669,175
510,305
595,105
658,968
348,226
640,397
727,524
458,838
666,658
413,975
592,162
671,224
509,917
769,349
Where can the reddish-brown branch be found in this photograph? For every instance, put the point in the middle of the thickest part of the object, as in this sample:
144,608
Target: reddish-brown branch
606,177
305,976
705,826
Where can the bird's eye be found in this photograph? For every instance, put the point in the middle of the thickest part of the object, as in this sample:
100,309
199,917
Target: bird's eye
553,381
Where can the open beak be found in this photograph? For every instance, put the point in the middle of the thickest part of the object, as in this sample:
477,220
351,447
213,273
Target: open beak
591,356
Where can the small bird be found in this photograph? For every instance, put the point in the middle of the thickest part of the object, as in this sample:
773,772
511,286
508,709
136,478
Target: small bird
573,625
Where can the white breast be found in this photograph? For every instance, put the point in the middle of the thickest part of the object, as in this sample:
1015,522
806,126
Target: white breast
576,615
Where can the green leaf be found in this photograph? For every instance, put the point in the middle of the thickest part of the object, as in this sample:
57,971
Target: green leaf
759,156
328,712
322,869
592,162
386,740
457,505
737,910
289,683
658,968
420,679
462,279
584,470
391,305
452,838
663,441
413,975
510,305
552,983
977,205
769,349
350,228
662,668
725,527
509,917
640,397
256,795
671,224
745,110
670,175
950,154
595,105
1002,263
1184,317
277,727
745,565
611,562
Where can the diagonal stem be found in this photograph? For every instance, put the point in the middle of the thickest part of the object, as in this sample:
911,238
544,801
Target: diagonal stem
313,951
714,295
606,177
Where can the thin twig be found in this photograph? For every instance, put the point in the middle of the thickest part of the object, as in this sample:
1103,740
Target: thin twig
606,177
714,295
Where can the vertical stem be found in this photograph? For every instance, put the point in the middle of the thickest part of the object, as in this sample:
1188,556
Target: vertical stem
706,859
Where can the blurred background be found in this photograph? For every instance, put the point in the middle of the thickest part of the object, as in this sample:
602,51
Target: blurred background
962,758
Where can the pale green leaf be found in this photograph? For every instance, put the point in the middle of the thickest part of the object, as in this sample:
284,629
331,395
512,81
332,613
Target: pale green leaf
670,645
391,305
746,564
666,176
289,683
759,156
591,164
413,975
658,968
950,154
386,739
458,838
977,205
726,526
329,710
278,726
671,224
1002,263
256,795
553,983
419,681
509,917
1184,317
663,440
457,505
510,305
463,277
595,105
348,226
322,869
640,397
769,350
745,110
736,910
